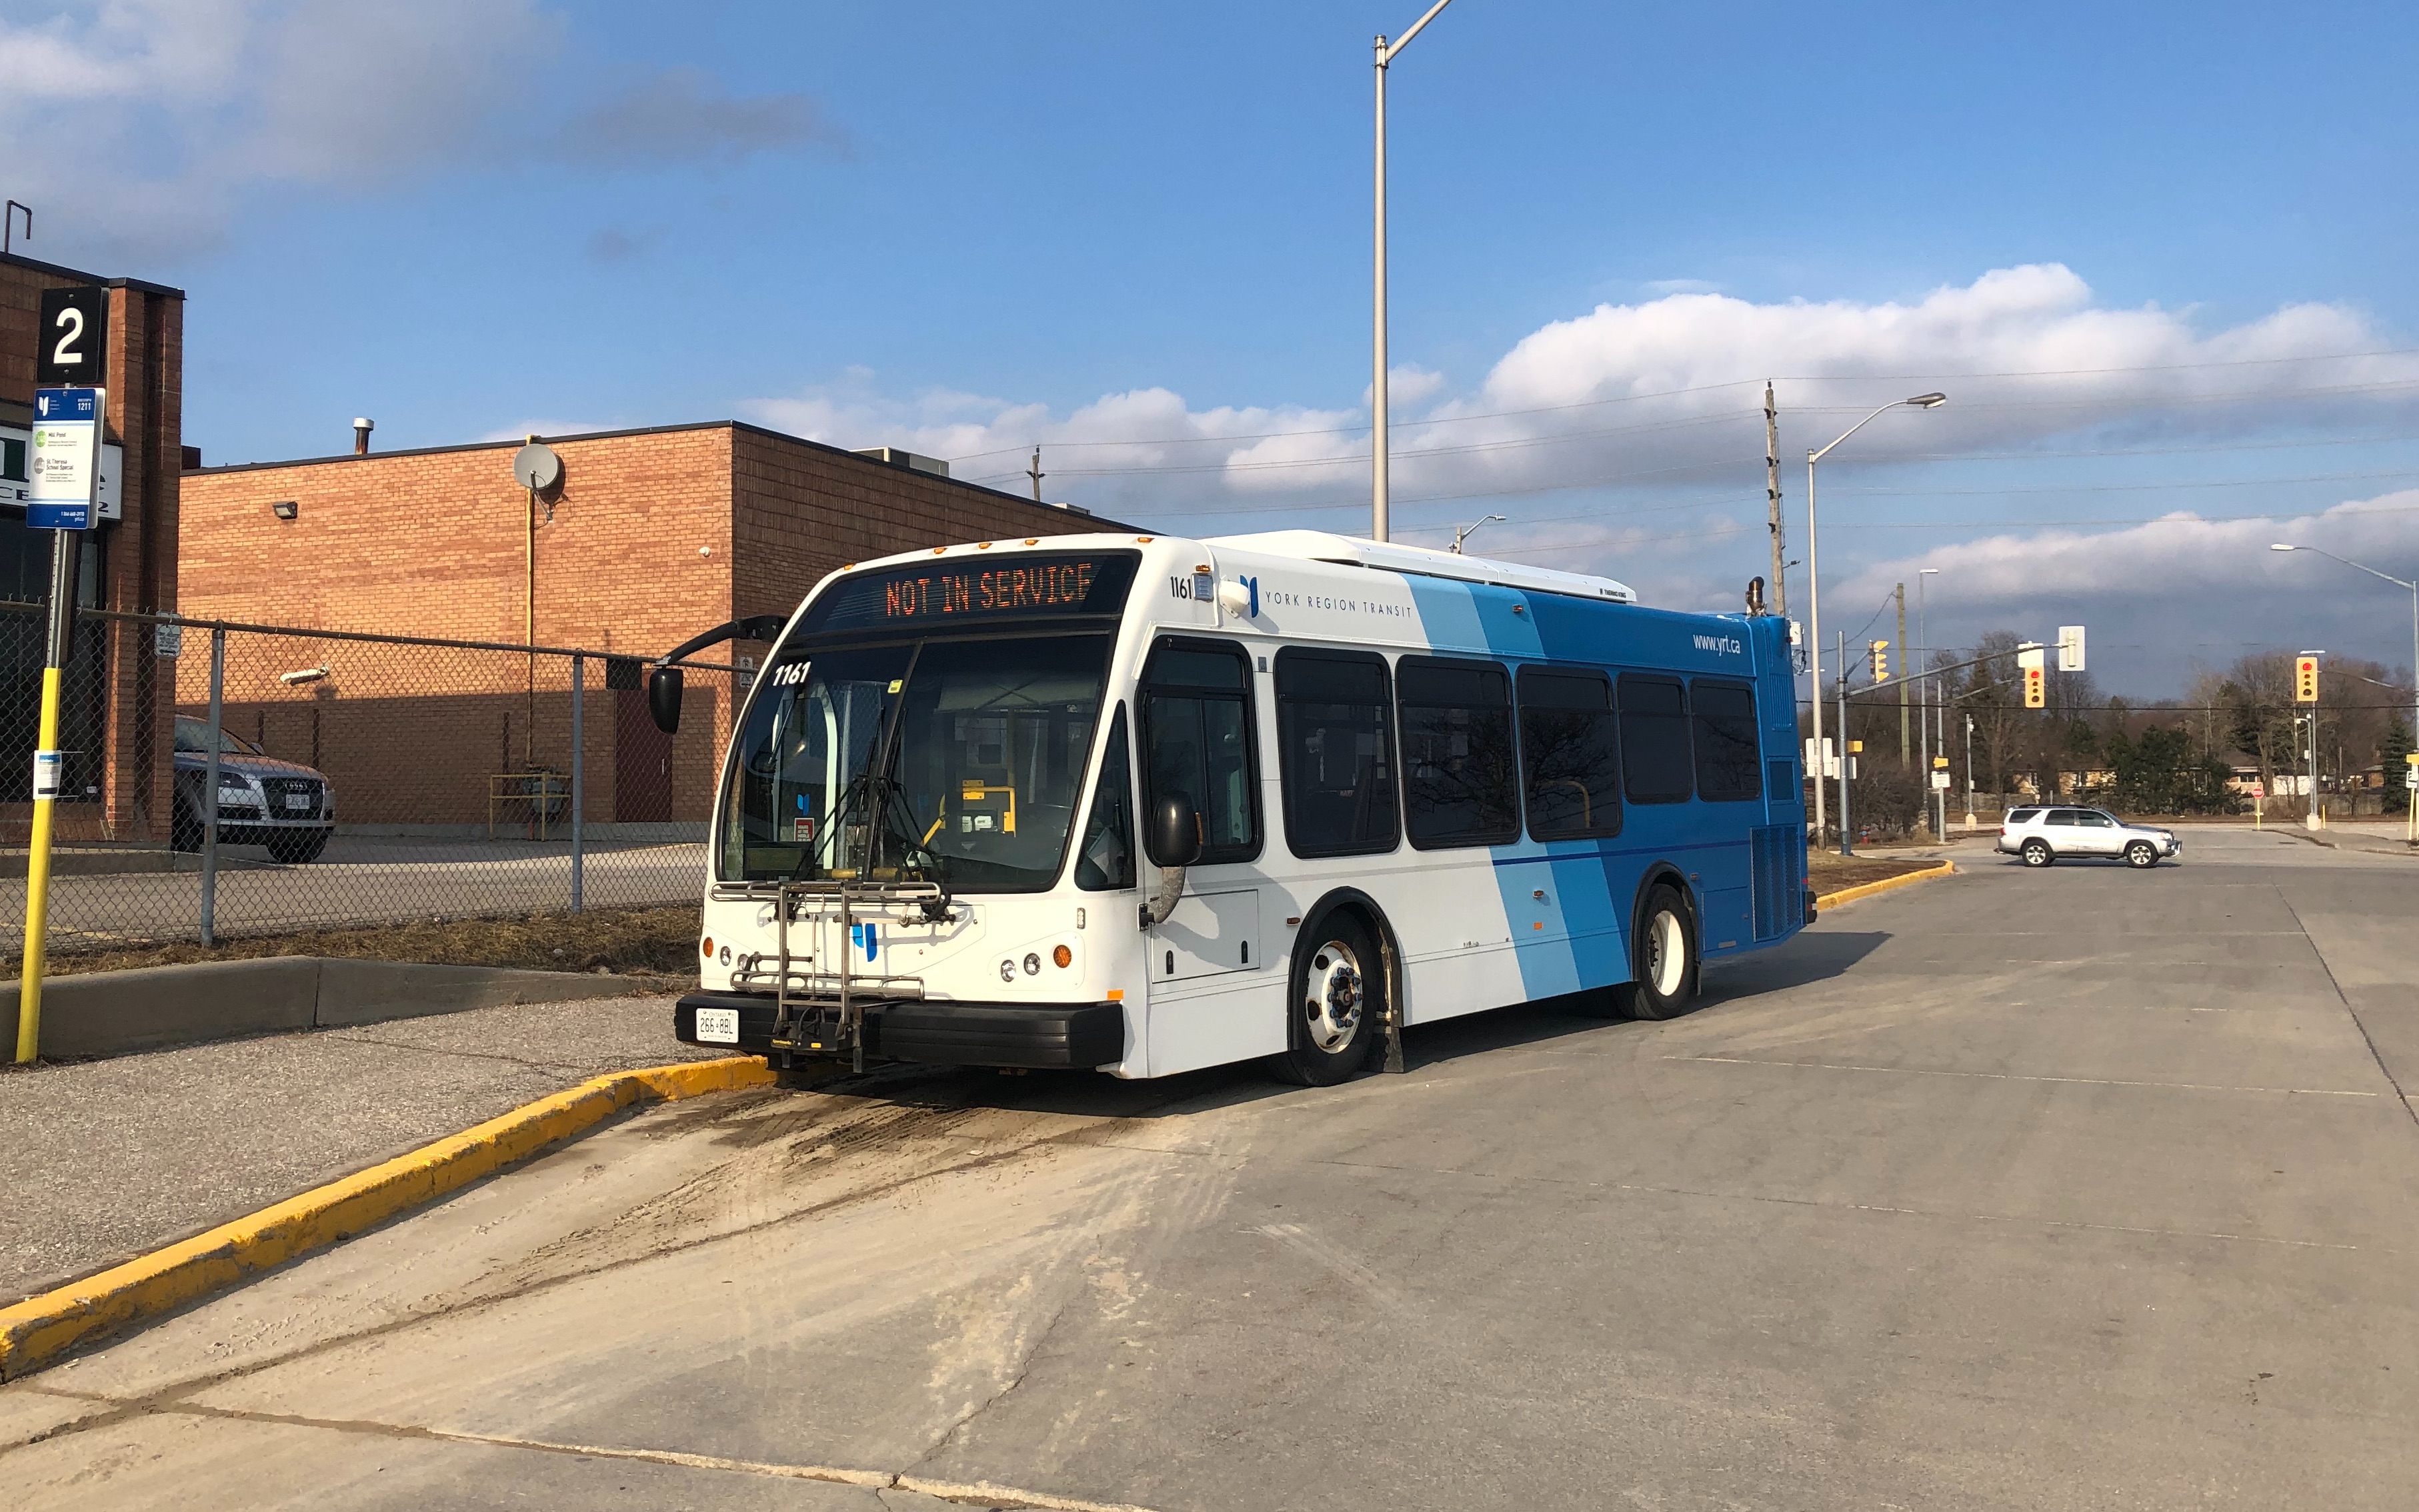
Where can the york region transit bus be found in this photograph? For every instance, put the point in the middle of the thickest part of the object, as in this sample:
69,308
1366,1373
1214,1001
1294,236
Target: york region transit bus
1145,805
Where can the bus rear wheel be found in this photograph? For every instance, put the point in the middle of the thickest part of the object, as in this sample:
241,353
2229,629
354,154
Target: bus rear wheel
1663,958
1335,1010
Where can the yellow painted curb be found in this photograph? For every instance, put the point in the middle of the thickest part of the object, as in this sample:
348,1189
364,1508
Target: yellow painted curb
40,1329
1866,889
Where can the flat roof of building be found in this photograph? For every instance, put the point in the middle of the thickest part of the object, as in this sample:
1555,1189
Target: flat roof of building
784,437
19,260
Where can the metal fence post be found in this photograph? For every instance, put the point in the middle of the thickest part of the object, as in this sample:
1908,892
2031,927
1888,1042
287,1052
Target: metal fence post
210,789
578,795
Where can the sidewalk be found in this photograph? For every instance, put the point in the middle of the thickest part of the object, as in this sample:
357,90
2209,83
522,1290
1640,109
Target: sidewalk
2378,840
106,1160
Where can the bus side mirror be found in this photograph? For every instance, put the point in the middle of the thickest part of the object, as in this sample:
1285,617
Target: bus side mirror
664,699
1176,831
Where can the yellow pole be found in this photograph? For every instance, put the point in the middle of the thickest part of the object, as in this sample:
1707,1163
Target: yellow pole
38,885
58,473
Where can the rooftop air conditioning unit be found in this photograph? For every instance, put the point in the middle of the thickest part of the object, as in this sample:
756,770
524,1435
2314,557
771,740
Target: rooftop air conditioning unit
897,457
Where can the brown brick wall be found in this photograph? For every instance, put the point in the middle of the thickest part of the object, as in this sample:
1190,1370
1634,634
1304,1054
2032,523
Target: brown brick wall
145,375
435,544
800,511
432,544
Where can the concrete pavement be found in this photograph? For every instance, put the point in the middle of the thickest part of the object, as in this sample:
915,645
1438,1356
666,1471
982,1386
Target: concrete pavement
105,1160
2074,1188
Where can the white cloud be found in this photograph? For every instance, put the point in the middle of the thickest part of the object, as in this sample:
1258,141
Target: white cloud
1638,400
2161,597
1408,384
1140,448
138,127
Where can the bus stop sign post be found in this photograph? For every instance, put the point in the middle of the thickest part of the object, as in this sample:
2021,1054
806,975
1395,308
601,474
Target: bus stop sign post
63,462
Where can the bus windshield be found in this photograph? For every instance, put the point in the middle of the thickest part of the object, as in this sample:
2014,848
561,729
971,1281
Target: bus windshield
958,762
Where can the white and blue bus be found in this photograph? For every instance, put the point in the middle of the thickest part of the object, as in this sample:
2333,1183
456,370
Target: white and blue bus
1146,805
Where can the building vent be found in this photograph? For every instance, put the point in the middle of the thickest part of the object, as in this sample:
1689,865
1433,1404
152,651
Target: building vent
898,458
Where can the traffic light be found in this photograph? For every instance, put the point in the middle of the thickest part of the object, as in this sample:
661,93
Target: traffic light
1879,651
2305,679
2036,696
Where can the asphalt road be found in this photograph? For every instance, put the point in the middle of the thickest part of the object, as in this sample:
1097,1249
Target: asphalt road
2077,1188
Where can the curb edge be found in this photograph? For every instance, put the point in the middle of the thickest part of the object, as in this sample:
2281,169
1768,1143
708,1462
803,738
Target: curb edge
1866,889
39,1330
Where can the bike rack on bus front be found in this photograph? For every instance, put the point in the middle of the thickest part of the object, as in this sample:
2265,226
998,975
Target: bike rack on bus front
829,1004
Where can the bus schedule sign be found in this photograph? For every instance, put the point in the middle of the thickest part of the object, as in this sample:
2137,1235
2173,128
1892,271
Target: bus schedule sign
63,462
962,593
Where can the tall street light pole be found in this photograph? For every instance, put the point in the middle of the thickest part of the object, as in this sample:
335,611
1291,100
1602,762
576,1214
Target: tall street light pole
1814,608
2399,582
1379,523
1934,796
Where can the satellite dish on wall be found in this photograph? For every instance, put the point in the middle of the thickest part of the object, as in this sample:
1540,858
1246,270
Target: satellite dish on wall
536,466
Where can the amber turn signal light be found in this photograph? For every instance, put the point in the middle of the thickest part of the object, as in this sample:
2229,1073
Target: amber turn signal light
706,947
1063,956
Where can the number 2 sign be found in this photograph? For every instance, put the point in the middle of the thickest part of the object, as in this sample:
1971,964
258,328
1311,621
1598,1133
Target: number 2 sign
71,337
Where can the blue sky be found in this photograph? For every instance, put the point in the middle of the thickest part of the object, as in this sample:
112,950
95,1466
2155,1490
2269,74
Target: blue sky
1132,232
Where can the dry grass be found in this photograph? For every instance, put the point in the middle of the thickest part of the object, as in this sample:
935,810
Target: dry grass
623,942
1832,872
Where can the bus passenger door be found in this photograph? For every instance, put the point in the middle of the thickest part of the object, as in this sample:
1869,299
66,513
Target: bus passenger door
1199,743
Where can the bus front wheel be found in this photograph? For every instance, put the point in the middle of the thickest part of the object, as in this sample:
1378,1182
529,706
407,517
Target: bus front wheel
1663,958
1336,1011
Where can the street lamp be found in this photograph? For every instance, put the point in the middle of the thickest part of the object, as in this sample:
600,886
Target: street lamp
1923,673
2399,582
1814,607
1463,533
1377,498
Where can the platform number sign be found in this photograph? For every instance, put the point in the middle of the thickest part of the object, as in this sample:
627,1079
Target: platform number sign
2305,679
71,339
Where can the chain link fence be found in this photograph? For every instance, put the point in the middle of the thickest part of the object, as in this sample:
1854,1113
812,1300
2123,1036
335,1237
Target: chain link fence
360,779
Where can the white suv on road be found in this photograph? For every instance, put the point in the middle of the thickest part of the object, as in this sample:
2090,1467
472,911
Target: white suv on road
2051,833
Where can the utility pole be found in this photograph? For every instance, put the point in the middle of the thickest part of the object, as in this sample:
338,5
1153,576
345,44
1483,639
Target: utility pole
1036,474
1772,502
1847,753
1901,682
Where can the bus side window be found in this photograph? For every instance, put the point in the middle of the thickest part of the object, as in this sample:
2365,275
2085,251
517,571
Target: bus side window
1727,763
1105,863
1569,754
1196,732
1335,741
1654,739
1460,781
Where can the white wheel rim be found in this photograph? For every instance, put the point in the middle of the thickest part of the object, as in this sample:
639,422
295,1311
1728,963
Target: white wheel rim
1667,954
1333,996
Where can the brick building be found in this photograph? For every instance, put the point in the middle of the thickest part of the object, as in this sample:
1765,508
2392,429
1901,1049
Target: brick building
649,537
115,708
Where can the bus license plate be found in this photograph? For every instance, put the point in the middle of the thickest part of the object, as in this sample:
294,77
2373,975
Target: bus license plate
717,1026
